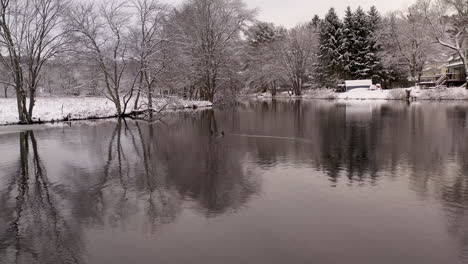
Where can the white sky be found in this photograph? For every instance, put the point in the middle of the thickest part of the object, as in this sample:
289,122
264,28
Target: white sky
291,12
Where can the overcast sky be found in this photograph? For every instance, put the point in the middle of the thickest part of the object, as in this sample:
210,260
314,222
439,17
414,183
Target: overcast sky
291,12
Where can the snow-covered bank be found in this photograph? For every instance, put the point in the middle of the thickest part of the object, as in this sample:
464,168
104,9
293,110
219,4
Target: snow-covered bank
363,94
440,94
391,94
357,94
79,108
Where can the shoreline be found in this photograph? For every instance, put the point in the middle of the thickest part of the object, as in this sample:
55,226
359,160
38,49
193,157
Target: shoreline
50,110
357,99
91,118
362,94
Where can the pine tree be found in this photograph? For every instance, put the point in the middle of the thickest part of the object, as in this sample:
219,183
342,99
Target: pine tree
330,37
315,21
361,45
373,58
347,45
262,32
349,49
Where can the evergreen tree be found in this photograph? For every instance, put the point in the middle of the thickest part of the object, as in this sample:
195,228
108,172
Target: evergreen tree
349,49
372,57
262,32
330,36
361,46
315,21
346,48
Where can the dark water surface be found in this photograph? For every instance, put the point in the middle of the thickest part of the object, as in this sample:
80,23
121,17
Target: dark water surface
266,182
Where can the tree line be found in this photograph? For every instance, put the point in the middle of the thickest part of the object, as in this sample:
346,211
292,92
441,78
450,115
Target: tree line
129,51
391,49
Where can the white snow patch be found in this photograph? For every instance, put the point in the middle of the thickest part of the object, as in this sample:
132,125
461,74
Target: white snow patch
440,93
460,93
76,108
364,93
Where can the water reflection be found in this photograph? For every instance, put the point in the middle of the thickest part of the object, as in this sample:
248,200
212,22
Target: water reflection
35,225
356,142
61,186
143,177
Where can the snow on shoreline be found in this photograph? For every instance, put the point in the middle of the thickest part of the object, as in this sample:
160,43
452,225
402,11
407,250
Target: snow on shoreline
363,94
81,108
391,94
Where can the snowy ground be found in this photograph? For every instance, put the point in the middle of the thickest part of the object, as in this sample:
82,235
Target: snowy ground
77,108
391,94
363,94
440,94
358,94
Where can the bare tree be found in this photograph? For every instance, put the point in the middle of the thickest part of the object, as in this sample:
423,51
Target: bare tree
449,24
409,33
208,34
30,34
100,33
297,53
151,46
263,68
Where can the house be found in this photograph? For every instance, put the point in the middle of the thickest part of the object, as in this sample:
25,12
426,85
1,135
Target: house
432,72
456,71
448,72
456,74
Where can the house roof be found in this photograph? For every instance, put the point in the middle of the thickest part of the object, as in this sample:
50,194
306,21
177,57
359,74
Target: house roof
455,64
358,83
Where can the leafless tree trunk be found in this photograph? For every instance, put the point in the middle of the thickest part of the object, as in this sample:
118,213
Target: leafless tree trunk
264,68
296,54
30,34
100,34
150,49
410,34
209,31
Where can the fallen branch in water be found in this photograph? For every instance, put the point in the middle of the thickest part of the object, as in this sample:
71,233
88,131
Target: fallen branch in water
146,114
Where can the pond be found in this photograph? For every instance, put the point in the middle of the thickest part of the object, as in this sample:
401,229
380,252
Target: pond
283,181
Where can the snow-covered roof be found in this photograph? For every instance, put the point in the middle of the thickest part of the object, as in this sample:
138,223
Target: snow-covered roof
352,83
455,64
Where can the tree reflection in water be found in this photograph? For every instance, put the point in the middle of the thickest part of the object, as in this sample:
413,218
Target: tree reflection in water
38,228
144,175
203,166
147,173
